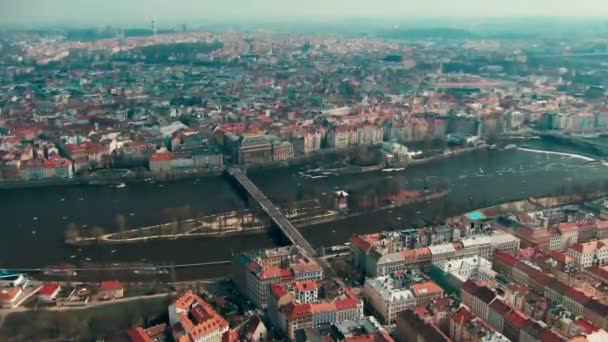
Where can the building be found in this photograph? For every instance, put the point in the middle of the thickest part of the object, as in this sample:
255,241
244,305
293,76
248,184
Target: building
181,160
338,137
253,330
207,159
383,254
40,168
587,254
48,292
412,328
111,290
312,142
369,135
193,319
282,150
254,272
152,334
254,149
289,315
477,298
466,327
474,268
94,153
160,162
388,296
426,292
9,297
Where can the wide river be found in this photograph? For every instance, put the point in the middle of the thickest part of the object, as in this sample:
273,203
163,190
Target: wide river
34,220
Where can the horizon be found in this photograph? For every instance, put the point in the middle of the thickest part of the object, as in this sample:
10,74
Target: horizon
140,12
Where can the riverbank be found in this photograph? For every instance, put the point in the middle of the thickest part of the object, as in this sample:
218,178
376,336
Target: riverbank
427,197
233,223
118,176
573,155
537,203
108,320
446,154
129,178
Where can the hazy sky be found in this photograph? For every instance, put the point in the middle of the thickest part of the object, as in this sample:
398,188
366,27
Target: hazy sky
138,11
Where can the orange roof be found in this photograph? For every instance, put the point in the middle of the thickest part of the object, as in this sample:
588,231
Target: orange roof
301,310
346,304
567,226
198,317
308,285
278,290
585,248
361,243
426,288
322,307
270,272
138,334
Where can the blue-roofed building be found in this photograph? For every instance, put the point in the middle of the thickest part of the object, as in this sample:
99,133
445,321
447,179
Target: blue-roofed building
476,216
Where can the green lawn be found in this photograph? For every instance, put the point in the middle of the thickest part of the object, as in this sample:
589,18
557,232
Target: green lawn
109,321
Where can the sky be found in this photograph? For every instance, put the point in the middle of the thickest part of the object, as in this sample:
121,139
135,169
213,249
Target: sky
107,12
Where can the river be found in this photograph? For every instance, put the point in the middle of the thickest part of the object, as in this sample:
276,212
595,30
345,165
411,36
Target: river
34,220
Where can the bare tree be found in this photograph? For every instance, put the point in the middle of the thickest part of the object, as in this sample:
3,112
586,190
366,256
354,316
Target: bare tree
72,233
97,232
121,222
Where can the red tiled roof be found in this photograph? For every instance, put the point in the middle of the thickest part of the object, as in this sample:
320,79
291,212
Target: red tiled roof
586,326
346,304
10,294
111,286
360,243
278,290
547,335
308,285
380,336
161,156
322,307
506,258
577,295
516,320
138,334
198,317
301,310
499,307
49,289
567,226
231,336
462,316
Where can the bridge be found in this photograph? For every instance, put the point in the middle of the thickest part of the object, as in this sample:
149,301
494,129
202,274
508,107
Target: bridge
272,211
